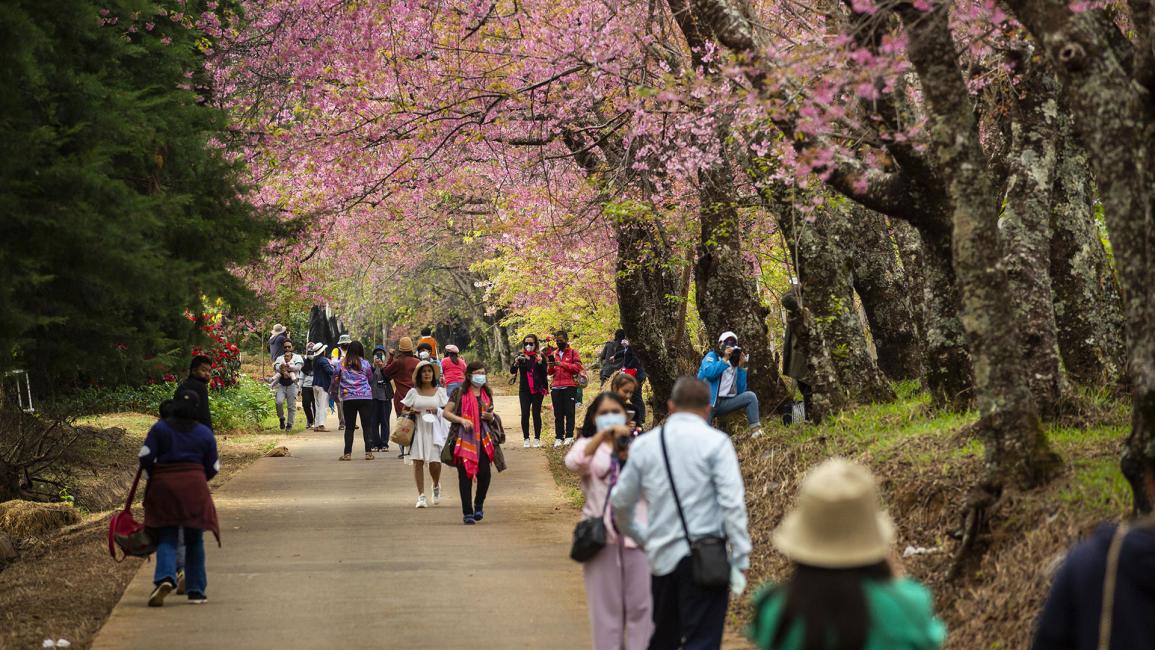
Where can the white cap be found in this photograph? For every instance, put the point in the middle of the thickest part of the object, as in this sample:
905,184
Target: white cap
725,335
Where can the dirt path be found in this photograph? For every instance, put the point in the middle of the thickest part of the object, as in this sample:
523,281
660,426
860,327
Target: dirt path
322,554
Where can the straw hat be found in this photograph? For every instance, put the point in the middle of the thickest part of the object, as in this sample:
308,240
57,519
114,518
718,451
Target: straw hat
838,522
405,344
436,371
278,329
344,339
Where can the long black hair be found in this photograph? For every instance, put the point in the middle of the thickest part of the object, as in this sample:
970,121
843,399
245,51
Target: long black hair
589,428
830,604
354,355
180,412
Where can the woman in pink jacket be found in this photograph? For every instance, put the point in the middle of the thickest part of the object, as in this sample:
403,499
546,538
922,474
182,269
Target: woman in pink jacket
618,577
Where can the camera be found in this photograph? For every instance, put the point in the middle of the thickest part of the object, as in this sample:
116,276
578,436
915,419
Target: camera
622,442
735,356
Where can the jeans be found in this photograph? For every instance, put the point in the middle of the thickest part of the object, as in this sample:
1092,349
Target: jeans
307,403
287,399
353,407
686,615
564,409
382,410
747,400
531,405
166,551
320,406
452,387
469,504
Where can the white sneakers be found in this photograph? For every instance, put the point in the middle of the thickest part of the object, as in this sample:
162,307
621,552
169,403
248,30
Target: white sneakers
536,443
525,443
421,503
556,443
436,494
756,431
568,441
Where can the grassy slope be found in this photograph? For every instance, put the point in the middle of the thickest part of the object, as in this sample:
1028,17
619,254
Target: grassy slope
926,464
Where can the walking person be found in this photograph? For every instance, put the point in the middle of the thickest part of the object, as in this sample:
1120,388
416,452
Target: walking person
382,400
322,378
532,387
287,385
337,357
277,341
179,457
725,371
564,365
200,372
354,384
399,367
472,408
426,401
307,400
689,473
452,369
843,593
617,579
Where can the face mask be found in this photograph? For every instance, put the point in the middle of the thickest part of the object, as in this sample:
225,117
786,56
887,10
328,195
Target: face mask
607,420
424,355
529,347
478,380
561,345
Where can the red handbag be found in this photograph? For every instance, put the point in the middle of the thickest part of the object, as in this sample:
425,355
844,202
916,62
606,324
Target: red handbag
127,533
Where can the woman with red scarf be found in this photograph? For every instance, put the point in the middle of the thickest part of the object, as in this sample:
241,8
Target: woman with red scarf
530,365
472,408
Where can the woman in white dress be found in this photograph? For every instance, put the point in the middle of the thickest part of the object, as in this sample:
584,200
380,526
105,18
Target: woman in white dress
426,401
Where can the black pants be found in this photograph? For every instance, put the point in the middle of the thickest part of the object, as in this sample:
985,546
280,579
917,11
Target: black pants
564,408
307,404
351,408
639,406
531,404
469,503
685,615
382,411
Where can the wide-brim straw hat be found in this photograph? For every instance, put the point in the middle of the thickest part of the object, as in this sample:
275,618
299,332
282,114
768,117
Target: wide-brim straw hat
344,339
436,371
838,522
405,344
278,329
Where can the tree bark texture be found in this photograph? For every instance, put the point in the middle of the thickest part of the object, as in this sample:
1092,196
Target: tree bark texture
1016,450
947,366
1107,84
1026,233
830,396
1088,308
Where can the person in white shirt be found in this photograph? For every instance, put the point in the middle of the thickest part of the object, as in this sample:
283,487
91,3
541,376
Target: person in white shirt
708,483
286,384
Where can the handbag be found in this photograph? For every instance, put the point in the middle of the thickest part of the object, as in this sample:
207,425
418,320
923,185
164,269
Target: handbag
498,458
402,433
449,449
126,532
589,535
709,557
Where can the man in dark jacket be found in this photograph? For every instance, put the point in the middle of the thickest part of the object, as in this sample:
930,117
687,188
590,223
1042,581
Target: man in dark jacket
1073,614
382,400
200,372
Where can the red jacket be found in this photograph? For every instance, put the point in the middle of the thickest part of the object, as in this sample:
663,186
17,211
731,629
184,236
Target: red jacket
565,371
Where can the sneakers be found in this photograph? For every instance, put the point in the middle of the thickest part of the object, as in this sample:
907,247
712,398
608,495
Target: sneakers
537,443
180,582
556,443
436,494
525,443
421,502
368,455
478,515
156,599
345,457
756,431
197,598
568,441
468,520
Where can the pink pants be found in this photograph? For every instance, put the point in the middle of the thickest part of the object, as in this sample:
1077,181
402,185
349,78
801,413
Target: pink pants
618,596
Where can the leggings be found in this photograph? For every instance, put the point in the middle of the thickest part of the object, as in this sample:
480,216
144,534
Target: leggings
531,404
307,404
465,485
564,408
352,407
382,409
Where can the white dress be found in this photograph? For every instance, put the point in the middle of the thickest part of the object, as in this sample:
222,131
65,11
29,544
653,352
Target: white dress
425,446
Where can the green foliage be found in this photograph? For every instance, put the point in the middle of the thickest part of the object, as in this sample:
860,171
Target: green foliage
119,211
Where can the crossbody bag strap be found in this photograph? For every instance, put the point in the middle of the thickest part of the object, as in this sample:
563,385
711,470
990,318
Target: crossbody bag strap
673,488
132,490
1105,616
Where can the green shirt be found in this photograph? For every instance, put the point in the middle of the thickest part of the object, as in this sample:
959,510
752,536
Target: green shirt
901,618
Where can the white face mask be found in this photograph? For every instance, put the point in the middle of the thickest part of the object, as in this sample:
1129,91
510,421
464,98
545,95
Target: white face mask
478,380
529,347
423,355
607,420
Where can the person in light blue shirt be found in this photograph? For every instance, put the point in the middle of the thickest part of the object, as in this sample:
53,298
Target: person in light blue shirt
724,370
709,486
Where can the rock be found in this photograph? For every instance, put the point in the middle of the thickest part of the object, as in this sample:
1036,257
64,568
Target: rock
277,452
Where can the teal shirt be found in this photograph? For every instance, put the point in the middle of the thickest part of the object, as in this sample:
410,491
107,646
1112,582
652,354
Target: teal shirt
901,618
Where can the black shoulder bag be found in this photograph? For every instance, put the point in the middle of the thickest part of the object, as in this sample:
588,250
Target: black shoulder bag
709,558
589,536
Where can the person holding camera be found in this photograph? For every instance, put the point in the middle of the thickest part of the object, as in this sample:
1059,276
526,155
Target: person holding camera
286,384
533,386
382,400
322,377
725,372
617,579
564,365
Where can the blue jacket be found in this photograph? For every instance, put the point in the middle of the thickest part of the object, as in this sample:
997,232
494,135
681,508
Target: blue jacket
322,372
1070,618
713,365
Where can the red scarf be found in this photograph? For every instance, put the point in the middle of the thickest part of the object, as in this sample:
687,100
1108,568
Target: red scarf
468,441
529,374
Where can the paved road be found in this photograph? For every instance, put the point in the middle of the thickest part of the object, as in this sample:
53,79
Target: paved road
323,554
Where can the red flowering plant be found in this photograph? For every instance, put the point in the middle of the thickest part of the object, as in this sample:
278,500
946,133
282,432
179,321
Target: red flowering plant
214,330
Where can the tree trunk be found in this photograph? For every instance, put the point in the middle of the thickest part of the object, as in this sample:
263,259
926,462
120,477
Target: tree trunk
829,395
948,374
887,294
1088,309
1026,232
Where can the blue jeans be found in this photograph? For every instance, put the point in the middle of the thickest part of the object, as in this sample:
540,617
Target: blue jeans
747,400
452,387
166,544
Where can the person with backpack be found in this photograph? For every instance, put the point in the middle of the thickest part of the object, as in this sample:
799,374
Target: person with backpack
617,578
533,385
843,593
564,366
179,457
